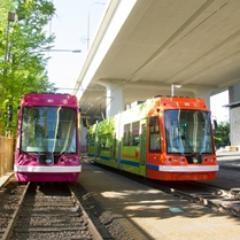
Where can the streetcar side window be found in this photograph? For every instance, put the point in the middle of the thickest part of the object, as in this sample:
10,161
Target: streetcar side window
127,135
154,135
105,142
135,133
91,139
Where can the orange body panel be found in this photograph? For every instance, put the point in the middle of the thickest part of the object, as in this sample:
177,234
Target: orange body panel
179,176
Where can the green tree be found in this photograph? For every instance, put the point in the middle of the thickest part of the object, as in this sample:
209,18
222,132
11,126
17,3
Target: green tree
105,132
22,69
221,134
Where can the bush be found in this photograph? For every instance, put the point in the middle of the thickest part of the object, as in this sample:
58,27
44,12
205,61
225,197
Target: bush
221,135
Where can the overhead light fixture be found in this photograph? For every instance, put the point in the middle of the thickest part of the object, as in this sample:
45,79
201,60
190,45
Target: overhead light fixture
173,86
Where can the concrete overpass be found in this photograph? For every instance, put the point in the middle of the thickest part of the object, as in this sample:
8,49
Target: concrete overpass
144,46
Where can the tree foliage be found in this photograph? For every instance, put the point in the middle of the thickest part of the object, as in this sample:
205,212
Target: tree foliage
105,132
22,64
221,134
106,127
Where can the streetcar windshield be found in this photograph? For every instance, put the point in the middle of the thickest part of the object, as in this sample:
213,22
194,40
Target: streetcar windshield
188,131
49,129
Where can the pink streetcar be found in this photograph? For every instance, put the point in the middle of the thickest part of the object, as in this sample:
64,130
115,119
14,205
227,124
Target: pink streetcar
47,148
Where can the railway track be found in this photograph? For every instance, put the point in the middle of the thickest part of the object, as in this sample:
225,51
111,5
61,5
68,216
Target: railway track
220,199
50,211
10,197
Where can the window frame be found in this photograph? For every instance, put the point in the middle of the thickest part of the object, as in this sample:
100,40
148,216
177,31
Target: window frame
133,136
156,131
129,134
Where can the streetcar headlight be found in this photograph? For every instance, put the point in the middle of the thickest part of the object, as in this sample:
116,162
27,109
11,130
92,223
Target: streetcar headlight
210,160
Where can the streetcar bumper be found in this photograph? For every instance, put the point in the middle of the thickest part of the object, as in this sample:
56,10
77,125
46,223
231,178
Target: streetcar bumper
182,173
27,173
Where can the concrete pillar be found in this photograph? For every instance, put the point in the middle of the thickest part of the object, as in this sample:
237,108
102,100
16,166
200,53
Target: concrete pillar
234,114
114,100
234,93
83,138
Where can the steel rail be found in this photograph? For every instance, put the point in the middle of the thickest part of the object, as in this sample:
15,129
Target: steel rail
214,197
92,228
7,234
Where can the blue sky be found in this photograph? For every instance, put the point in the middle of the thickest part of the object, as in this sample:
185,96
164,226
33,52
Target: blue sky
70,26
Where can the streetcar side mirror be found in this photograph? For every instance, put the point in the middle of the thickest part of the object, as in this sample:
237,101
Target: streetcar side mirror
215,124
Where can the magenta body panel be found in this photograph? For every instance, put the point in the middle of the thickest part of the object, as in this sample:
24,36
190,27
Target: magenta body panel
49,99
48,148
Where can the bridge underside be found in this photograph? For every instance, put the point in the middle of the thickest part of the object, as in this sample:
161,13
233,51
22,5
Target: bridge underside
194,43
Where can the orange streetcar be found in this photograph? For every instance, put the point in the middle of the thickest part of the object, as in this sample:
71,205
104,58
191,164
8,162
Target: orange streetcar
180,145
165,138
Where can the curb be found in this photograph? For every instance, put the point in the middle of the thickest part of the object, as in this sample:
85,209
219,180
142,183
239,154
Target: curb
5,178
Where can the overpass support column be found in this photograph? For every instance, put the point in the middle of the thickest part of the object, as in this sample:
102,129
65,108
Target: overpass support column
234,114
114,100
